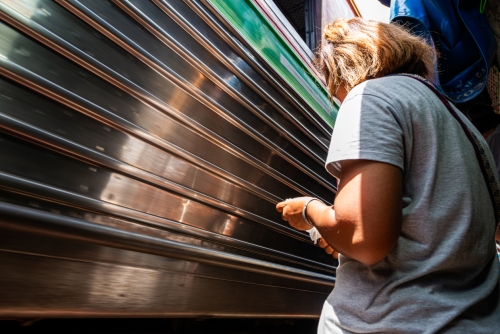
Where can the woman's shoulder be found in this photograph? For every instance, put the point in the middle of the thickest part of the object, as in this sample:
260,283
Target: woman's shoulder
388,87
397,93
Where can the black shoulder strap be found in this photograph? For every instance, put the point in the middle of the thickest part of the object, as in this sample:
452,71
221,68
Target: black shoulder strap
486,168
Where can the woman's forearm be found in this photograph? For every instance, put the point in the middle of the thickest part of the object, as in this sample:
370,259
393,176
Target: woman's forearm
367,218
366,222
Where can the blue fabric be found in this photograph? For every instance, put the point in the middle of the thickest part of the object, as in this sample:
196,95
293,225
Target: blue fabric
461,35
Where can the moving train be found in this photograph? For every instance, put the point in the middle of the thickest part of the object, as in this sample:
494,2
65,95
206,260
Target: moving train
143,148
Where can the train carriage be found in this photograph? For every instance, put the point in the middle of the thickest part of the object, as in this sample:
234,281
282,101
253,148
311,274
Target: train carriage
143,147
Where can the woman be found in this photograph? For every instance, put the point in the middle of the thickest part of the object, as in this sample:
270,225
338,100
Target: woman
412,220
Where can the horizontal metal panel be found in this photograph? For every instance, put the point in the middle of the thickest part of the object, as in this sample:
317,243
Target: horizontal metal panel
71,229
93,289
141,223
120,120
73,177
115,266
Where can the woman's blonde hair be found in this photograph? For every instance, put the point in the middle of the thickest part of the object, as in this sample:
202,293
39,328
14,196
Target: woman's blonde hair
356,50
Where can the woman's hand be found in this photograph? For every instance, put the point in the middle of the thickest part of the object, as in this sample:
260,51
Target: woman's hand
328,249
291,210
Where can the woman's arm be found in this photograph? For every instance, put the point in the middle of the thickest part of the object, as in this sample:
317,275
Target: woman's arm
366,221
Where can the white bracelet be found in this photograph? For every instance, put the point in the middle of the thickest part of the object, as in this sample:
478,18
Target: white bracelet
304,215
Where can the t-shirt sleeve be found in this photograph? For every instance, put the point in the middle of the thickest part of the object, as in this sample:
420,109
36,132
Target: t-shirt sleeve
367,127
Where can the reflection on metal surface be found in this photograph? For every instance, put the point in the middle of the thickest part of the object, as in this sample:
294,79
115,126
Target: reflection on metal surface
141,160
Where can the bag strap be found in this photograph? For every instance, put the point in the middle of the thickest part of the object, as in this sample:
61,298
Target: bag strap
484,163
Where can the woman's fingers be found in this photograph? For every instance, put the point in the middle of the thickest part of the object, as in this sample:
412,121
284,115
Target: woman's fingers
322,243
329,250
280,206
332,252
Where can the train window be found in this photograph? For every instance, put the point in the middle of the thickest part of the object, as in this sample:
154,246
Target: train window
301,21
302,16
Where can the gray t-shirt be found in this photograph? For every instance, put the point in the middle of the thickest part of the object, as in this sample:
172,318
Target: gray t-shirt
443,274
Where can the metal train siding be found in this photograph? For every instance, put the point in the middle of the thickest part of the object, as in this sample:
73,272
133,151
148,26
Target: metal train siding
143,148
